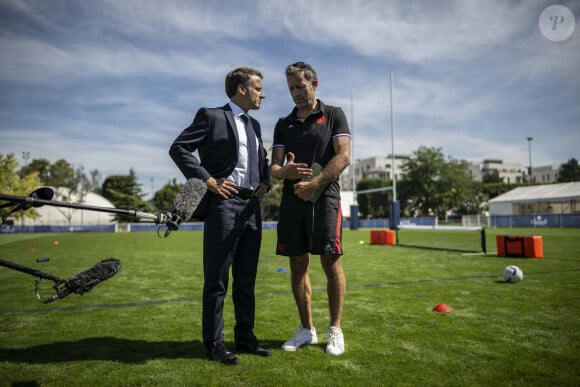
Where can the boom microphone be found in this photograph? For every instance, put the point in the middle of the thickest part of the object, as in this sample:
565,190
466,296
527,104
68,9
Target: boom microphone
44,193
185,203
36,199
79,284
86,279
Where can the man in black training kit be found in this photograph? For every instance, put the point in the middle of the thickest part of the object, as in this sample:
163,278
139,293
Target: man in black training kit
233,164
311,149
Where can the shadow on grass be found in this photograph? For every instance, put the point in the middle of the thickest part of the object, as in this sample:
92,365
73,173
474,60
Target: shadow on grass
113,349
105,348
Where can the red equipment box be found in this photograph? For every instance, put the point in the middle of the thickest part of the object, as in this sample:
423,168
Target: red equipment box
519,246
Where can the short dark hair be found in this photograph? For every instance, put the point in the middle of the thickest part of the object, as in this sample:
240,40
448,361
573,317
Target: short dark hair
239,76
309,73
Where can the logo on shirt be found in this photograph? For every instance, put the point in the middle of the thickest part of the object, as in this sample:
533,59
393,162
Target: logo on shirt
321,120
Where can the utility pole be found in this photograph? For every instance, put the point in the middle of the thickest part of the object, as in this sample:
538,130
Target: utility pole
530,155
25,156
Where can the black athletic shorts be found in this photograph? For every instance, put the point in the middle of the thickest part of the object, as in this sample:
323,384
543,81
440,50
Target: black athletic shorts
304,227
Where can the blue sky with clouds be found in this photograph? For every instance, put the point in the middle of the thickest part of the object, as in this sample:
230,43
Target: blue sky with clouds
109,84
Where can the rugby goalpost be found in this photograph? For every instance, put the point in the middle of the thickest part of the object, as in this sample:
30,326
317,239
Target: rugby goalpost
394,204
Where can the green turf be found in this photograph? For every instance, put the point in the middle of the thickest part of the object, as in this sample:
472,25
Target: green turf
142,327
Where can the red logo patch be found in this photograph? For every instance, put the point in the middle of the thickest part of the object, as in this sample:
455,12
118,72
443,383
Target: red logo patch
321,120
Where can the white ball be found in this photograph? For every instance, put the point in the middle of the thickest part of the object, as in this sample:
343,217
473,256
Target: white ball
513,274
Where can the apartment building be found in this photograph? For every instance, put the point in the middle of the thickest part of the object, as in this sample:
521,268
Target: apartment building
545,174
373,168
381,168
510,173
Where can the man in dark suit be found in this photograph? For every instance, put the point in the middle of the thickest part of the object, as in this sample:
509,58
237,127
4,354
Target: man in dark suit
232,162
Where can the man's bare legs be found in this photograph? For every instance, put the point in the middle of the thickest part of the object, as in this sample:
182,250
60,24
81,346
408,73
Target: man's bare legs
335,286
301,288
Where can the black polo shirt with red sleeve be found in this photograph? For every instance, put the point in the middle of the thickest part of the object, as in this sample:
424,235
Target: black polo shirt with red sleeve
311,139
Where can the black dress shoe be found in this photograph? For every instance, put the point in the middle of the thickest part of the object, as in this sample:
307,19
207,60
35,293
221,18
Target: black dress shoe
220,354
253,348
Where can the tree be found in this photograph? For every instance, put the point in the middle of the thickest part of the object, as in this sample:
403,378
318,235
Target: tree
492,177
41,167
125,192
12,184
433,186
94,182
419,190
491,190
62,174
271,202
460,195
569,171
163,199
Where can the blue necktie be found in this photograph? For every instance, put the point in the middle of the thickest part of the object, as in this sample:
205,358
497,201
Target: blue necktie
252,152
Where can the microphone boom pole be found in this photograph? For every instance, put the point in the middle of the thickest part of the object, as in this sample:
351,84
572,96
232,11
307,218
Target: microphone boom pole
79,283
136,214
186,203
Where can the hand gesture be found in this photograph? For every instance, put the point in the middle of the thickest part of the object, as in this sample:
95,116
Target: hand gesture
295,171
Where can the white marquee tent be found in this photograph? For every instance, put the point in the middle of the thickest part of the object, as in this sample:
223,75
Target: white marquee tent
538,199
59,216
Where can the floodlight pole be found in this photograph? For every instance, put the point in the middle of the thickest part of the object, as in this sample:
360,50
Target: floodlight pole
530,155
393,142
25,156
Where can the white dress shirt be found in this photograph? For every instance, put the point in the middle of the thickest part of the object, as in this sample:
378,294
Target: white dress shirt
241,173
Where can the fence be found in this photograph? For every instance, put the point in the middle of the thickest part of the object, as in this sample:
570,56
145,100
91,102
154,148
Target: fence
535,220
538,220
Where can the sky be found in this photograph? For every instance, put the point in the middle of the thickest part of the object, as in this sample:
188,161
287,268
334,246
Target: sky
109,84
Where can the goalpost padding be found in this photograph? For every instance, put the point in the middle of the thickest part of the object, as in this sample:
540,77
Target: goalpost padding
519,246
382,237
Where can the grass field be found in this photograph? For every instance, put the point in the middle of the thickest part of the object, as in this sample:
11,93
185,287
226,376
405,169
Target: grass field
143,326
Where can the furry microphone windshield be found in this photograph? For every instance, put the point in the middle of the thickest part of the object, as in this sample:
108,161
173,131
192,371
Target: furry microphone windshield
79,284
87,279
186,202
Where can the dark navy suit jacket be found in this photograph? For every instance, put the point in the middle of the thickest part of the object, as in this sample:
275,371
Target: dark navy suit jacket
213,134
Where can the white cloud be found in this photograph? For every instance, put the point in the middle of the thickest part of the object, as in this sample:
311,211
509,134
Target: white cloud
415,32
113,82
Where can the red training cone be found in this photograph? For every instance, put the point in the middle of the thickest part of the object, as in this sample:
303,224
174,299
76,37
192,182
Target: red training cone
441,308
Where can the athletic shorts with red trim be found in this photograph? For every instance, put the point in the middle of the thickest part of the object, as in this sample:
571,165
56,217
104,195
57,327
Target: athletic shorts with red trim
304,227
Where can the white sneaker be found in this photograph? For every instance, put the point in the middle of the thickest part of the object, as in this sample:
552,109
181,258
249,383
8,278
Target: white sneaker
301,337
335,344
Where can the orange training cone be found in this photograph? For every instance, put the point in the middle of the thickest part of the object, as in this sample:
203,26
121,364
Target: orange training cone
441,308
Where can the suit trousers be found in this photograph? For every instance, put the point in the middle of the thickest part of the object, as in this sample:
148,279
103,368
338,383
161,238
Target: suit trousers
232,239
